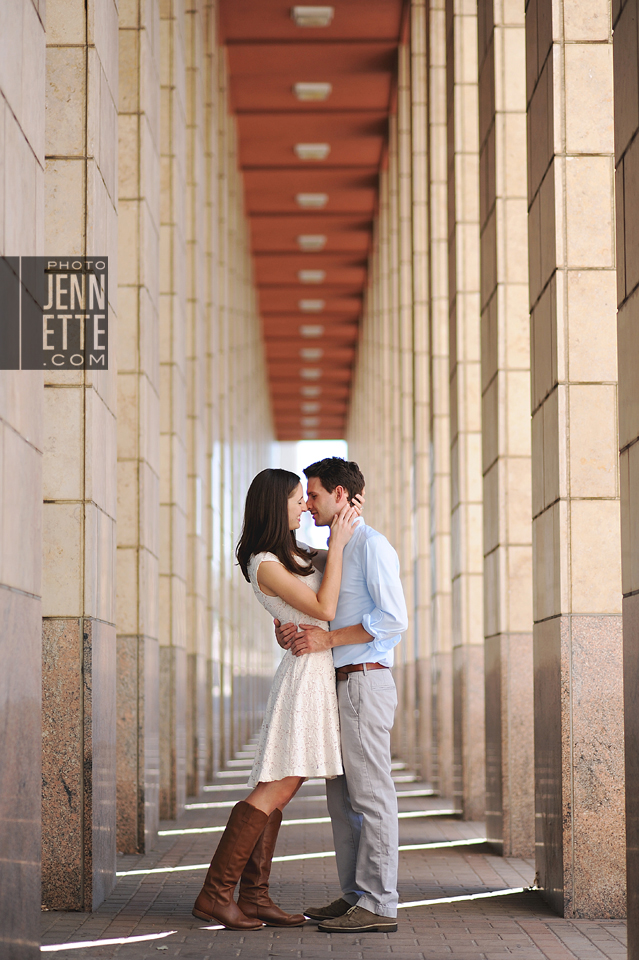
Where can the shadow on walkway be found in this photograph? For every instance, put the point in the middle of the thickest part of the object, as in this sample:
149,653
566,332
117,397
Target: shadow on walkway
441,857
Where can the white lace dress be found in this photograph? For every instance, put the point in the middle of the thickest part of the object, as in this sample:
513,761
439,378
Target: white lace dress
300,733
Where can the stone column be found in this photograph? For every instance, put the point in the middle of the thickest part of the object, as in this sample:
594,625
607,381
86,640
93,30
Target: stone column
421,382
22,82
465,408
439,404
172,284
579,764
626,92
505,370
196,398
79,639
138,429
406,652
212,403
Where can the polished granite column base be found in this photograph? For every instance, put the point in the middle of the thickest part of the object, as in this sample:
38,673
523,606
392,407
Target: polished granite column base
196,724
78,762
137,744
510,806
579,765
20,774
213,718
469,748
631,710
172,732
424,719
442,723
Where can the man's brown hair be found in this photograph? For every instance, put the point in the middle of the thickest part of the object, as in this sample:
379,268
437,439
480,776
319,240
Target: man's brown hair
336,472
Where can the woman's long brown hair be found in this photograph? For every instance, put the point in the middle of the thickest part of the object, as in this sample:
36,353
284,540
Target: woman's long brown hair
265,528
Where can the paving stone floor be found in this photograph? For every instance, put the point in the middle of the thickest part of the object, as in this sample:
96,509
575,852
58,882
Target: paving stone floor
516,925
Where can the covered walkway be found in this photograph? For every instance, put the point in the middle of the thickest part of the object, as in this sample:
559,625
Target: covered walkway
442,858
406,224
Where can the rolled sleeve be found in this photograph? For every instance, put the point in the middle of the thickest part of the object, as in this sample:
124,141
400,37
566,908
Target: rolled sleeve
389,618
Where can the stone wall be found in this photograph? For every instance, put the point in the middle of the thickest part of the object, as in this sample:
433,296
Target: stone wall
21,448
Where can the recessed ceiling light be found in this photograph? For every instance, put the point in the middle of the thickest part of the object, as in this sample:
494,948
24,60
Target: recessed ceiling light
311,276
310,421
311,201
312,151
311,353
310,373
311,406
312,91
311,330
312,16
309,242
310,434
311,306
310,391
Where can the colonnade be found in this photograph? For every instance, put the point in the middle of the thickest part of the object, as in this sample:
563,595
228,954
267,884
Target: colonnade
490,332
130,660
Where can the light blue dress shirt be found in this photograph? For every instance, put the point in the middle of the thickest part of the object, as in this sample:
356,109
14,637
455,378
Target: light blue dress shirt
371,594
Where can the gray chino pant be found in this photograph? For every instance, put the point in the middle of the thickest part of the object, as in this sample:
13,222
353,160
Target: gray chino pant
363,802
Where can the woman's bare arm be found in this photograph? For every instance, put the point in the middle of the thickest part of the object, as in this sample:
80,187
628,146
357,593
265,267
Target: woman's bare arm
276,580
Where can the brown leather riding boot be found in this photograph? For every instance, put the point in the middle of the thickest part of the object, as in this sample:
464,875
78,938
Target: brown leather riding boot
215,901
254,900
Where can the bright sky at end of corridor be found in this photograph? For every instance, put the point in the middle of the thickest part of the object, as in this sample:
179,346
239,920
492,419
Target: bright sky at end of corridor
296,456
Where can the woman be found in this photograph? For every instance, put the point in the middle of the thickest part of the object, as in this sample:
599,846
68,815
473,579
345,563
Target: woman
300,733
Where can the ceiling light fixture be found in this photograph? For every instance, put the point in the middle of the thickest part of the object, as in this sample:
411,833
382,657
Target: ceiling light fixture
311,353
311,330
311,242
311,306
310,435
310,373
310,391
312,16
310,421
312,151
311,201
311,276
311,406
312,91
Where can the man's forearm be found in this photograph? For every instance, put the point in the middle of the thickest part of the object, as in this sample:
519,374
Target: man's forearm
346,635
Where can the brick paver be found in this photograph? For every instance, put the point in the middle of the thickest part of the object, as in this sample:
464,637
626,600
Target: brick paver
518,925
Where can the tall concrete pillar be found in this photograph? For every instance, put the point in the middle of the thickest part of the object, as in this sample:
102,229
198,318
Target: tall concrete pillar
505,385
173,432
22,85
626,99
196,633
421,383
465,409
406,534
211,98
579,763
439,404
79,634
138,528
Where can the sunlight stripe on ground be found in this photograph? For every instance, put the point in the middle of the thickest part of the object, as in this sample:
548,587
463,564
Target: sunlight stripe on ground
439,845
470,896
56,947
407,815
213,805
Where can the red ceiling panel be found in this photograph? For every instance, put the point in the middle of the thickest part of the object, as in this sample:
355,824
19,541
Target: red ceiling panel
268,53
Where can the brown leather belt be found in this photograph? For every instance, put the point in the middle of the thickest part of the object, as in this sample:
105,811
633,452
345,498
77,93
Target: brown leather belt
342,673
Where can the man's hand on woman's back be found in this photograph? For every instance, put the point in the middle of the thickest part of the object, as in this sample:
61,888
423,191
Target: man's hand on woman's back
285,633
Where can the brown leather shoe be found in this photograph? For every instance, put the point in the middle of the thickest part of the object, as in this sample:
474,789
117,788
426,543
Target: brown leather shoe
254,900
335,909
215,901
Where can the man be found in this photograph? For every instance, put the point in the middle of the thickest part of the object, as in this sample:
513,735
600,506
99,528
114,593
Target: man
370,618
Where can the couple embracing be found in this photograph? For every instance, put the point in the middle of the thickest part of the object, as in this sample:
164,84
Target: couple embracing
330,709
